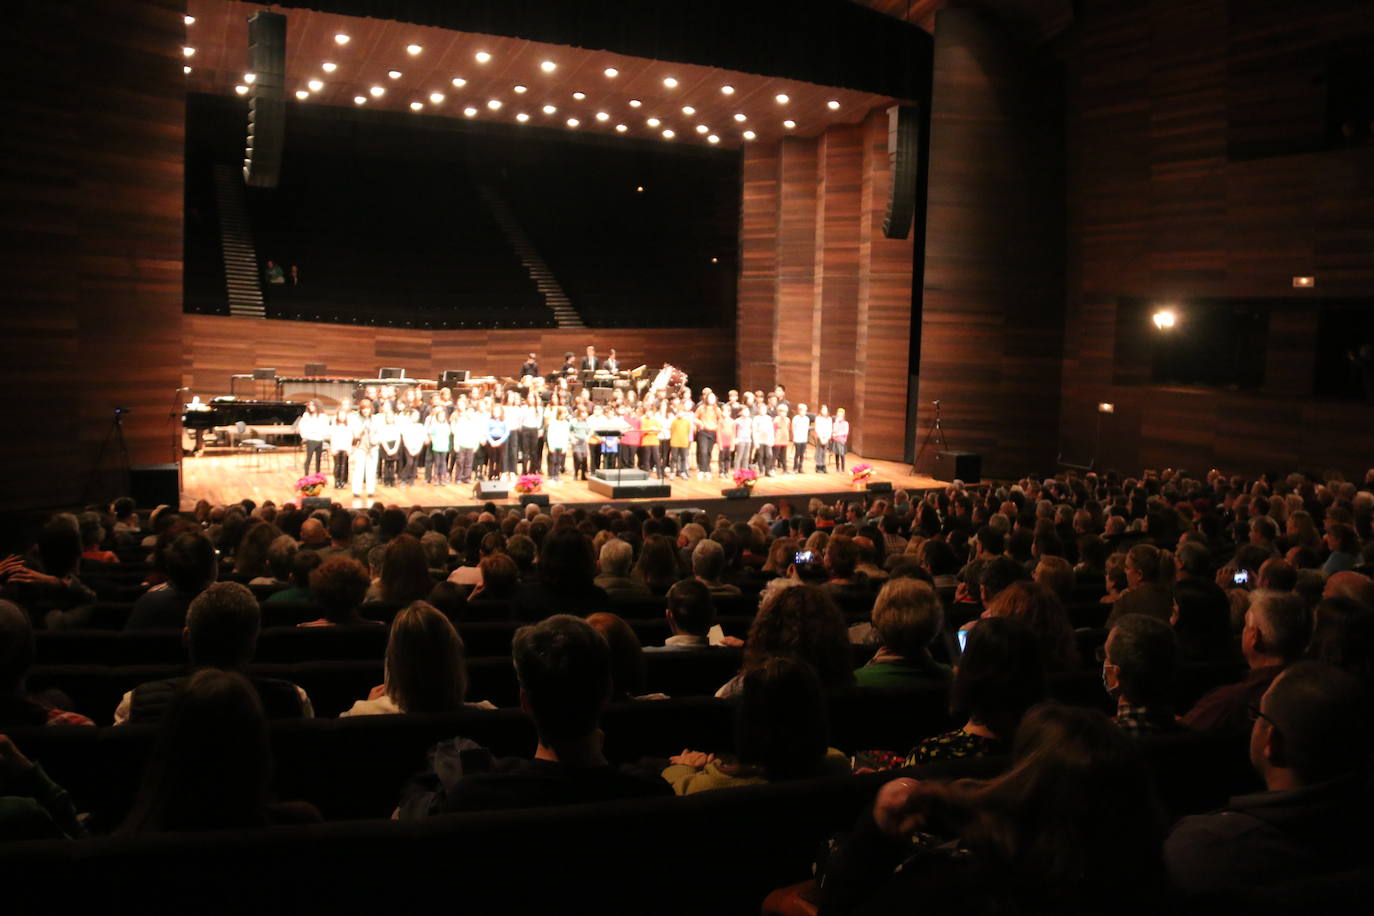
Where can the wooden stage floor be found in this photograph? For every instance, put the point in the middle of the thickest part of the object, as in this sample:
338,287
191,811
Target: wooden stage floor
222,479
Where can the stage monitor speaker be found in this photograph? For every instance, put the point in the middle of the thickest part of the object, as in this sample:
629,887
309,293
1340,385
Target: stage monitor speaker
537,499
391,372
314,369
965,466
735,492
266,99
311,503
453,377
491,489
153,485
903,150
879,486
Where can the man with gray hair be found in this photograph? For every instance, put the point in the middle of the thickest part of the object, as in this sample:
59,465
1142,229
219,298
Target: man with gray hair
708,562
1139,664
613,576
1146,593
1277,627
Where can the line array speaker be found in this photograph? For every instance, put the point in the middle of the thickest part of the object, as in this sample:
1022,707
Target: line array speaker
266,100
903,148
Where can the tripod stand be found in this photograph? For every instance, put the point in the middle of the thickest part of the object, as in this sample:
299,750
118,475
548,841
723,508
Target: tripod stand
936,434
114,434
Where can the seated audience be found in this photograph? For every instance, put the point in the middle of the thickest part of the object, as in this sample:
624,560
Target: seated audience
799,622
1139,665
405,573
498,583
657,566
222,627
614,578
906,619
708,562
298,592
93,539
1148,591
564,580
691,614
32,806
339,586
1343,635
51,584
1039,608
426,668
1202,621
190,565
18,707
629,673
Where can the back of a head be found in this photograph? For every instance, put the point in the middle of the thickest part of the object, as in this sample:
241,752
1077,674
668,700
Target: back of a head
341,526
189,561
1284,622
59,547
1040,609
1000,675
222,625
564,668
781,722
426,670
998,573
1343,636
907,616
1056,574
841,557
708,560
628,668
1321,714
499,576
522,549
691,606
405,571
802,622
1193,559
393,522
210,765
940,558
339,585
616,558
280,555
566,560
1145,559
1145,650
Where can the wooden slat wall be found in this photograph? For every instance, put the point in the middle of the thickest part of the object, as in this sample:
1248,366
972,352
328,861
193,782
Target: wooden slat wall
218,346
840,166
93,146
795,347
1157,91
758,279
992,306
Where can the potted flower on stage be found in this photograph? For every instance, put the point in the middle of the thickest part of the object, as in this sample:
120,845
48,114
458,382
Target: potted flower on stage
529,483
745,479
861,474
312,485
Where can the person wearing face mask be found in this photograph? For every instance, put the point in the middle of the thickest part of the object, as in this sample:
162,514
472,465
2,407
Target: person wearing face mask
1139,665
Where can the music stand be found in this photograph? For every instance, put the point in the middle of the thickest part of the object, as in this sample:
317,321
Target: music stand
391,372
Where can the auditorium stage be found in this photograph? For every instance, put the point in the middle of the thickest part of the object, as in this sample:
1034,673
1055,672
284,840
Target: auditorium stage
225,478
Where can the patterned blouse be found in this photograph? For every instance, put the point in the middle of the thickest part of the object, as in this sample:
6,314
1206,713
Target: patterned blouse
951,746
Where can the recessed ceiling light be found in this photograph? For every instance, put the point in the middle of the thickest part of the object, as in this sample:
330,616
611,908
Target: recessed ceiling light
668,133
416,106
394,74
741,117
186,69
520,89
639,189
579,95
611,72
573,122
550,109
713,139
670,81
653,122
727,90
688,110
459,82
377,91
302,94
482,57
494,104
359,100
413,49
789,124
329,66
782,98
241,89
315,85
470,111
602,116
703,129
250,78
436,97
635,103
621,128
749,135
548,66
341,39
833,105
189,20
522,117
188,51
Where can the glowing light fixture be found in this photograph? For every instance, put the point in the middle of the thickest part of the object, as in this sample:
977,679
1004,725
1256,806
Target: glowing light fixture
377,91
602,116
359,100
548,66
329,66
459,82
302,94
186,69
703,129
782,98
241,89
573,122
522,117
470,111
611,72
416,106
833,105
749,135
789,124
1304,282
494,104
188,51
713,139
653,122
670,81
639,189
520,90
727,90
340,39
579,96
394,74
189,20
250,78
688,110
741,117
413,49
550,109
635,103
436,97
1165,318
668,133
621,128
482,57
315,85
1106,407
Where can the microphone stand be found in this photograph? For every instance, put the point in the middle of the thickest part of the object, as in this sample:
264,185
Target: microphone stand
935,433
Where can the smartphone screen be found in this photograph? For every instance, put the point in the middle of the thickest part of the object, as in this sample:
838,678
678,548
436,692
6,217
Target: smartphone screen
803,556
963,640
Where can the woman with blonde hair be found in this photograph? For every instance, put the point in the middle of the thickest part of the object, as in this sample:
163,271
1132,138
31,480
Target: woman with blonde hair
426,667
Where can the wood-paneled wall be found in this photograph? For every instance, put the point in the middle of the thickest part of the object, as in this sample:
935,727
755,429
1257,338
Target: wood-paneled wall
91,321
991,315
825,300
1158,92
219,346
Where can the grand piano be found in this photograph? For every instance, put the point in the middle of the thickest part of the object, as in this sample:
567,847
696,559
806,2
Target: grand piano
228,420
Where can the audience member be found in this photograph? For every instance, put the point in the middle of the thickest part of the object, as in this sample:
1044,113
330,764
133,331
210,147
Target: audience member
339,586
18,707
426,668
1146,592
613,576
691,614
906,619
799,622
1139,665
190,564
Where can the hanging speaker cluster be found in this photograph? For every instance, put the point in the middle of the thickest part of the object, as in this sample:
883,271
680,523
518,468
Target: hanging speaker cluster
903,148
266,99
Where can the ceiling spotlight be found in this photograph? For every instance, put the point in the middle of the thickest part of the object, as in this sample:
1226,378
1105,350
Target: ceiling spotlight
436,97
670,81
749,135
329,66
470,111
494,104
520,90
413,49
573,122
635,103
653,122
302,94
550,109
789,124
240,88
394,74
548,66
1106,407
621,128
713,139
482,57
727,90
459,82
1165,318
639,189
359,100
703,129
688,110
741,117
715,260
377,92
186,69
579,96
833,105
611,72
782,98
189,20
340,39
602,116
188,51
668,133
1304,282
315,85
522,117
416,106
250,78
